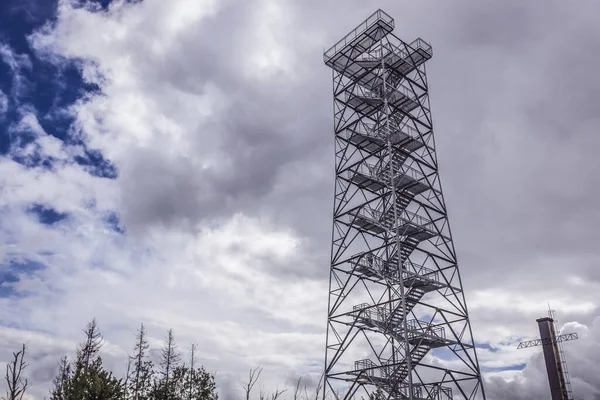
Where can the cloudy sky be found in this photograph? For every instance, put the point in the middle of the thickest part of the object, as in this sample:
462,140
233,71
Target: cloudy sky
171,163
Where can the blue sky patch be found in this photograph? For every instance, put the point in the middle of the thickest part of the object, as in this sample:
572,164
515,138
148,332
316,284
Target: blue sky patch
47,88
486,346
113,221
46,215
11,274
515,367
95,164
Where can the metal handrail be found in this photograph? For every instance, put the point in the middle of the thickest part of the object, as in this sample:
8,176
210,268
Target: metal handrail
417,219
420,271
392,94
366,169
384,172
365,364
406,216
384,51
373,313
362,27
406,129
403,90
409,269
418,328
379,131
368,212
419,43
433,392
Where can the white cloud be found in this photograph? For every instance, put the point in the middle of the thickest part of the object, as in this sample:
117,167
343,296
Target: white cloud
18,63
3,104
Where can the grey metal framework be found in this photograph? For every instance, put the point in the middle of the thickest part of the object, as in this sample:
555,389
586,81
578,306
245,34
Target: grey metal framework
398,326
547,341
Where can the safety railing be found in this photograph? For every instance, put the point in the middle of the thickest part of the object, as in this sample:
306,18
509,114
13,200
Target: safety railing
419,329
384,172
384,131
372,313
412,270
378,15
416,219
419,43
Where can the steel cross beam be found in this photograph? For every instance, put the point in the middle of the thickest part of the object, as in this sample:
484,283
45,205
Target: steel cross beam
547,341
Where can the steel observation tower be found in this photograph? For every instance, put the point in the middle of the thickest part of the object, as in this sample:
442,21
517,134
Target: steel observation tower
398,326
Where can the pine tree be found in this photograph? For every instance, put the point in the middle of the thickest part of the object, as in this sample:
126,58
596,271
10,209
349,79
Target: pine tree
62,381
140,378
166,386
191,374
198,384
88,380
202,385
101,384
89,349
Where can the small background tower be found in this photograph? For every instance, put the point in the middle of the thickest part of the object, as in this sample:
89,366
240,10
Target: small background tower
554,356
398,326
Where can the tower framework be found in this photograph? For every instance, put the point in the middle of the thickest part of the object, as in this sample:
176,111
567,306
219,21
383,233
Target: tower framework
398,326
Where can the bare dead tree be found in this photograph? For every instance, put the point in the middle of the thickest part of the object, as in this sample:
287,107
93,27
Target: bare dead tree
15,381
277,394
193,349
126,383
297,389
252,379
318,389
319,386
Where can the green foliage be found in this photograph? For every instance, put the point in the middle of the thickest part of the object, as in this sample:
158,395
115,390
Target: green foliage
87,379
141,377
199,385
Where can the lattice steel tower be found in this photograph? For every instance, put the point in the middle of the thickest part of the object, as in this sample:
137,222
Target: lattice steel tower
398,326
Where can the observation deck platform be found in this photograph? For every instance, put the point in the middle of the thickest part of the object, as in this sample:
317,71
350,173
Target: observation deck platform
418,333
397,59
409,224
354,56
390,378
367,102
377,177
359,40
412,275
373,138
421,333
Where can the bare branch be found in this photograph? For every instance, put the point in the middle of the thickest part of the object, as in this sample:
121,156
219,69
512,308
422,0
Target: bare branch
17,385
277,393
297,389
252,379
319,387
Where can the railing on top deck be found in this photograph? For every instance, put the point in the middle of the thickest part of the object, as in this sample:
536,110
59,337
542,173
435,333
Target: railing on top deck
378,15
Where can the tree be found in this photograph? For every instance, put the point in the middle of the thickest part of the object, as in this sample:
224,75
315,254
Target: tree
200,385
192,373
88,380
15,381
100,384
253,377
62,381
165,387
89,349
140,378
